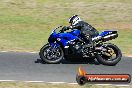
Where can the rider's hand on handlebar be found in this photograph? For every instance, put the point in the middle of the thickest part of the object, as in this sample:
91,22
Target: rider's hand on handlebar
64,29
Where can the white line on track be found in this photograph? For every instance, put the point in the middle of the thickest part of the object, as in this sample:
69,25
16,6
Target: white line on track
122,85
16,52
4,51
112,85
128,56
34,81
73,83
7,80
60,83
56,82
32,52
103,84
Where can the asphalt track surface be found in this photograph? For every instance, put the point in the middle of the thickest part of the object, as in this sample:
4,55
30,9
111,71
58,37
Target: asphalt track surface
29,67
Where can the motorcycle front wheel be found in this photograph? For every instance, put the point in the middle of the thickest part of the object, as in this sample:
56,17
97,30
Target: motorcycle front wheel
51,55
111,56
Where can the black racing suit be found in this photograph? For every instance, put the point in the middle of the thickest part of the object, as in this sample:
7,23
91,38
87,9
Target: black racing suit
87,31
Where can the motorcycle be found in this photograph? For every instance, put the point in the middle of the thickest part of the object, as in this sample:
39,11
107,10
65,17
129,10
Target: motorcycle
64,44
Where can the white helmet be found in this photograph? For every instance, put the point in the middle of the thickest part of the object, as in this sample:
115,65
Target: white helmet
74,19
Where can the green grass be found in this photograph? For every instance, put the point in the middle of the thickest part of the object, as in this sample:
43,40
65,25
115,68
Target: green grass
46,85
26,24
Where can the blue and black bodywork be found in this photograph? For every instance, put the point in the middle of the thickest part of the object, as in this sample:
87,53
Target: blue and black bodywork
62,44
63,39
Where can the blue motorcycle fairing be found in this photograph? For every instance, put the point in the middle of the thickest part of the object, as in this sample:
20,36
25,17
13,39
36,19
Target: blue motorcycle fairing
63,38
104,33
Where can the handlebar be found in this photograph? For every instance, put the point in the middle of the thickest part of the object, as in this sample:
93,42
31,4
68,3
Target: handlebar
61,31
58,27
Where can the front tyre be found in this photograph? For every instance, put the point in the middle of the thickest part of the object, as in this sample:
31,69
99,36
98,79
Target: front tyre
51,55
111,56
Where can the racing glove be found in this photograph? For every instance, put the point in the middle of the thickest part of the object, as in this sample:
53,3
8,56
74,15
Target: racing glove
64,29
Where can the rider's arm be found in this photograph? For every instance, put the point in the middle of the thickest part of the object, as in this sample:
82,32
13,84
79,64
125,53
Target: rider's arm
77,26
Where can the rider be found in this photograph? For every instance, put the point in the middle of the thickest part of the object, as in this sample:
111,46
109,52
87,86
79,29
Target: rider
87,31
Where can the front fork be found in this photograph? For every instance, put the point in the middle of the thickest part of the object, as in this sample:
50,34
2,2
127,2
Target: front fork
54,45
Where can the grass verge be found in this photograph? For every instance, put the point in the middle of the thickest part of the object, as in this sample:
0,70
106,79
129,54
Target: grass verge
26,24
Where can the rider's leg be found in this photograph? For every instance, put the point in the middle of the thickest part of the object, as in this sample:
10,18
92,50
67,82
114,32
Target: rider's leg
88,39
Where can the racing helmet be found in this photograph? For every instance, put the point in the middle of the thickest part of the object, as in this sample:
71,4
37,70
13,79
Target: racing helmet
74,19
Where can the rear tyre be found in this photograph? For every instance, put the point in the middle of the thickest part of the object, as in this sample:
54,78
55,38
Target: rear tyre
109,59
51,56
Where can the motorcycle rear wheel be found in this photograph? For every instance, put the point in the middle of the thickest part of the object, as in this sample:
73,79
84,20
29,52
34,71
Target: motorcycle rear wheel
109,60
